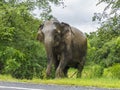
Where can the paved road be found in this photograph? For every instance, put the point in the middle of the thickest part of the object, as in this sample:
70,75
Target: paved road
28,86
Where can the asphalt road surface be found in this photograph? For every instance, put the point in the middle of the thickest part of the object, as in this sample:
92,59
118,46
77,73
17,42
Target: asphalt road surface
28,86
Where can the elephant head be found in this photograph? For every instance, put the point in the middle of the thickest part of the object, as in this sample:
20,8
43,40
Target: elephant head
53,32
49,31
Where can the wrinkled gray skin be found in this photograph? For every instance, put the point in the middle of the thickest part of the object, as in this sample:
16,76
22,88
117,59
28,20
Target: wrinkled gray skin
66,47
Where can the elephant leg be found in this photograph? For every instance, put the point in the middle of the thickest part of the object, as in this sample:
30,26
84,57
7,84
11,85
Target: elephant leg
80,67
48,70
66,71
49,67
56,63
61,67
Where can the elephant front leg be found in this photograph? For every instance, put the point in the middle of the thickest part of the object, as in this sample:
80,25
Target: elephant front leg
48,70
61,67
66,71
59,71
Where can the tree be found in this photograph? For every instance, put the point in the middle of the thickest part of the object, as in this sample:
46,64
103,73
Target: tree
111,10
105,39
30,5
20,54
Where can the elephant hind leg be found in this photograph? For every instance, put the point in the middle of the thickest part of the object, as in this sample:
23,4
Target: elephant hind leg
66,71
80,67
56,63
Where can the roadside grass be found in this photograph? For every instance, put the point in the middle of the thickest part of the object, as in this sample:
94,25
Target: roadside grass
92,82
96,82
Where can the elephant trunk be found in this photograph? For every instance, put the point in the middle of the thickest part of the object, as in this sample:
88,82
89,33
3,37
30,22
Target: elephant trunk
49,49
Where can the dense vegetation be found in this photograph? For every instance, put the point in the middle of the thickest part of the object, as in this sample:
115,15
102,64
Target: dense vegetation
104,44
23,57
20,54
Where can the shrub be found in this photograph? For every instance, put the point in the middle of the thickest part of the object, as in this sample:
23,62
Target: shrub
112,72
92,71
27,62
90,54
35,58
109,53
10,59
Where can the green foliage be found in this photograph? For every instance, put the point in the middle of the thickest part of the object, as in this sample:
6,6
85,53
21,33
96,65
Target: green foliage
109,53
106,40
10,56
114,5
93,71
90,54
112,72
35,58
24,65
104,44
111,10
30,5
20,54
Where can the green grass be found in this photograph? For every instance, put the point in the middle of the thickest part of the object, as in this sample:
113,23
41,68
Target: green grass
95,82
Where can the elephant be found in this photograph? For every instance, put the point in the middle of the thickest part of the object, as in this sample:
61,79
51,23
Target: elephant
66,47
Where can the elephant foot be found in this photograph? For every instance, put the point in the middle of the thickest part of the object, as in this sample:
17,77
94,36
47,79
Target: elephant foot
59,74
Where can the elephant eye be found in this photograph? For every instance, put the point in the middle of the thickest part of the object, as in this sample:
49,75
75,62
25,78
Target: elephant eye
57,31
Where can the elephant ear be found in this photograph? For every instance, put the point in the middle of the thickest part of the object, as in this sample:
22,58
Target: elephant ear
40,35
58,25
66,34
65,28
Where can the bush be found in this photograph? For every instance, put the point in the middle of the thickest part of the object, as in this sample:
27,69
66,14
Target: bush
20,55
109,53
112,72
10,58
36,57
90,54
92,71
26,62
